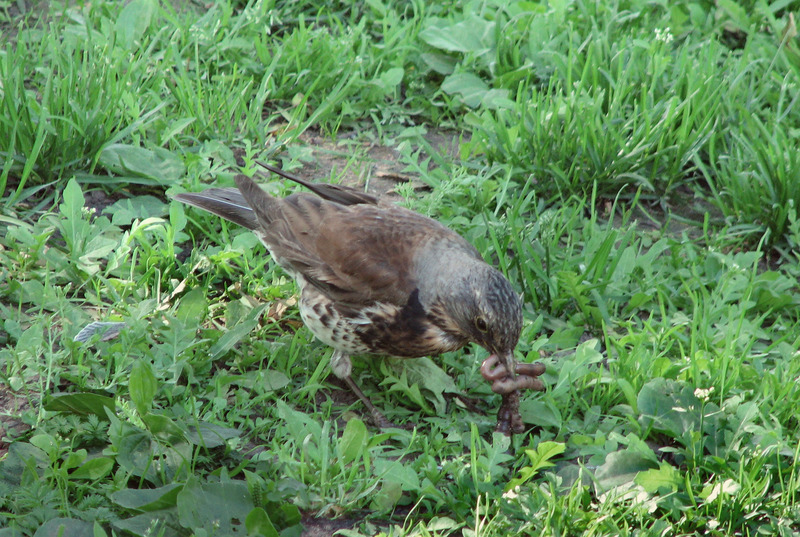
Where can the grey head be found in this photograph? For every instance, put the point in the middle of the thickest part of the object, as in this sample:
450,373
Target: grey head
475,297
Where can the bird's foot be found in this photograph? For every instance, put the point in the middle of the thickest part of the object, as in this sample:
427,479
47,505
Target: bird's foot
381,421
377,416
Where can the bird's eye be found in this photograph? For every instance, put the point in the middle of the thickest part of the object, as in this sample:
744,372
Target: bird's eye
481,324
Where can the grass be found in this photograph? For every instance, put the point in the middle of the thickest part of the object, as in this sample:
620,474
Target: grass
631,166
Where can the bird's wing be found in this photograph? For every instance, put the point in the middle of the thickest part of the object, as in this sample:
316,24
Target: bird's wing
354,248
356,254
371,251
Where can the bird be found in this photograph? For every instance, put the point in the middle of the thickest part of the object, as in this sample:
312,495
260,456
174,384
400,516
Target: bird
375,278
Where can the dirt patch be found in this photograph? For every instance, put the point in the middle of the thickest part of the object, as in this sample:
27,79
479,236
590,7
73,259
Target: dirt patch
362,163
12,405
34,13
325,527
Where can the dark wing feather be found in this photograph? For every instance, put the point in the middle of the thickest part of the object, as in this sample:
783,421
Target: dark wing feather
337,193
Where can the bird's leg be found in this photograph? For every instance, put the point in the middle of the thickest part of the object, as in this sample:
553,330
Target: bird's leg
342,367
377,416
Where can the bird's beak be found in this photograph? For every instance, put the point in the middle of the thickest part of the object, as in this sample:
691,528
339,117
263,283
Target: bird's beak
507,359
499,367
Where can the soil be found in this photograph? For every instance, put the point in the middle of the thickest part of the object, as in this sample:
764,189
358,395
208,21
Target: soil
325,527
378,167
12,405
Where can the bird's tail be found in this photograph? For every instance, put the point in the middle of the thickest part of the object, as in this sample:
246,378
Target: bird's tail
237,205
225,202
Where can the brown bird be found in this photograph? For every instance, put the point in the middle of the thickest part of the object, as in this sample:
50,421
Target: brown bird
376,278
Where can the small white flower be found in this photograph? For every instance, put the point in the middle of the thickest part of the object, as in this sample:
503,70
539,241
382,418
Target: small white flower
704,393
663,35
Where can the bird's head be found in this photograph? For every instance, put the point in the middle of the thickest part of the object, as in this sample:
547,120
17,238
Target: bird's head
488,311
470,299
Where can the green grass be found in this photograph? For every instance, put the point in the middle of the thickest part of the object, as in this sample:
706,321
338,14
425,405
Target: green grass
631,166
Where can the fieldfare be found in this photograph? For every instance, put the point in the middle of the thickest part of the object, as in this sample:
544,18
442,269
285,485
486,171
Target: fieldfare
376,278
